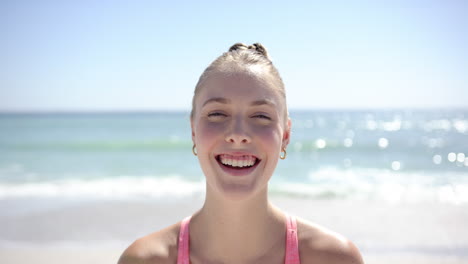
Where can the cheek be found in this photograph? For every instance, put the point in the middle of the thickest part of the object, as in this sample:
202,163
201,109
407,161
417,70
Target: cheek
270,136
206,132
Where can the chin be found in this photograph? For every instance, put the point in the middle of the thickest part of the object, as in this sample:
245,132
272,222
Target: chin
238,192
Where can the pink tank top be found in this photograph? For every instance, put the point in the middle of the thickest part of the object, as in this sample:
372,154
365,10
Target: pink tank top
292,244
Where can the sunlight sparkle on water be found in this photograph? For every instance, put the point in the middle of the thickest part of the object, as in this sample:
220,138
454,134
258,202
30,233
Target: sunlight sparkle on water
371,125
395,125
347,142
452,157
320,143
396,165
433,142
442,124
383,143
461,126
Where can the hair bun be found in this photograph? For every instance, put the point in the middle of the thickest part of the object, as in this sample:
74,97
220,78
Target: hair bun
238,46
257,47
260,49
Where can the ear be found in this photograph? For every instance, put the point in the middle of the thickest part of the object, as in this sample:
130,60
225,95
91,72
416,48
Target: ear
287,134
192,126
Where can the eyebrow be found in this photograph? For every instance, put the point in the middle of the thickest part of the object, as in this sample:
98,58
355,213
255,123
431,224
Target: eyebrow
263,102
220,100
223,100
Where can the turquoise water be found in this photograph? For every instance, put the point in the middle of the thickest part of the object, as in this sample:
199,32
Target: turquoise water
399,155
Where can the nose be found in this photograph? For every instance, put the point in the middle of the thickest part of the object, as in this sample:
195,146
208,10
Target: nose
237,133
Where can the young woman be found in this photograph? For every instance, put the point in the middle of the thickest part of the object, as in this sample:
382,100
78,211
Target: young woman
240,128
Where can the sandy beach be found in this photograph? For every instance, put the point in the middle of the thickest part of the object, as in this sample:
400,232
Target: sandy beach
99,232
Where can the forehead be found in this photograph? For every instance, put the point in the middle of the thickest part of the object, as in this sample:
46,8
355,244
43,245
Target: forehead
246,86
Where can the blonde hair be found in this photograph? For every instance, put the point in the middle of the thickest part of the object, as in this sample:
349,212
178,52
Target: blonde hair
241,57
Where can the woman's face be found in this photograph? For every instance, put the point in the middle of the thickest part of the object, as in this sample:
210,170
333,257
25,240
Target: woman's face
239,129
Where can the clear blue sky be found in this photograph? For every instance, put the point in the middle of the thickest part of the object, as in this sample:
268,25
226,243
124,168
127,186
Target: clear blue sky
148,55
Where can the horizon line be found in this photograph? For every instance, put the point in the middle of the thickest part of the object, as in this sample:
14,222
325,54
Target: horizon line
148,111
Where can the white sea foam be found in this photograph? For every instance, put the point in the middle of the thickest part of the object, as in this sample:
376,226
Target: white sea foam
325,183
106,188
378,184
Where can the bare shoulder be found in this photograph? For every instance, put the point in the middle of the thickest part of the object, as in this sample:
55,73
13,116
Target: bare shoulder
320,245
157,248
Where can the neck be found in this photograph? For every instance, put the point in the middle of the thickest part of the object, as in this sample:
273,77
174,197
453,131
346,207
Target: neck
237,231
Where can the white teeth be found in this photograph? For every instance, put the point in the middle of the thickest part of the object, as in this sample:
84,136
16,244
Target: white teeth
237,161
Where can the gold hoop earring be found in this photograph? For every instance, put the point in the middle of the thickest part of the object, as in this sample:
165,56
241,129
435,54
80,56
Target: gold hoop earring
283,154
194,150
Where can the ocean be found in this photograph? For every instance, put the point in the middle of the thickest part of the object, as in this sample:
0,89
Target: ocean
397,156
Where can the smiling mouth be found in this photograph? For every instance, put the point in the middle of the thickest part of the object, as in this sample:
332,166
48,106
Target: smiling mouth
237,162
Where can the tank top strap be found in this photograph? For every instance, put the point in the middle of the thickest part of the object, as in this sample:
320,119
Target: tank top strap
183,251
292,243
